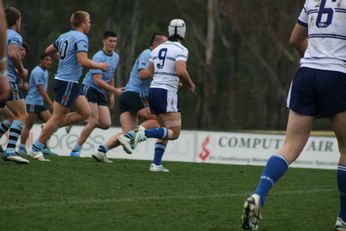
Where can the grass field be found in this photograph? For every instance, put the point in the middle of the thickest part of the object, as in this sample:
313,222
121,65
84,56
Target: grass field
81,194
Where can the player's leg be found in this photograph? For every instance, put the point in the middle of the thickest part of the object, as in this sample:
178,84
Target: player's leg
168,115
150,120
82,112
172,122
128,121
104,120
92,121
45,116
6,123
32,118
297,134
66,94
17,106
59,112
168,112
129,104
339,127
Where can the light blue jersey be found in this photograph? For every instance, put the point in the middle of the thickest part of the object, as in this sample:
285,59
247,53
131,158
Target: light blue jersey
13,38
68,45
39,76
101,57
135,83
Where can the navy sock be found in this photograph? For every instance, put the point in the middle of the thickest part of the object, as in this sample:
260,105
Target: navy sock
341,182
275,168
102,148
4,126
37,146
159,151
14,133
159,133
131,134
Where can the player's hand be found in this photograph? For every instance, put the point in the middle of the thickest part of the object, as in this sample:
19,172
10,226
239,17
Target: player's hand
192,88
118,91
25,86
104,66
23,75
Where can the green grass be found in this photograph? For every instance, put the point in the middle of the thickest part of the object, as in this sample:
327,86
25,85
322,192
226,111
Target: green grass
81,194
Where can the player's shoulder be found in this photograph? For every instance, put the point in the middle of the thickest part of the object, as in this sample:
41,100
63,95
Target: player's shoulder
37,70
145,53
14,35
77,35
12,32
115,55
176,46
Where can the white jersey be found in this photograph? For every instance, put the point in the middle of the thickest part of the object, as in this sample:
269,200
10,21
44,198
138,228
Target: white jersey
326,24
163,58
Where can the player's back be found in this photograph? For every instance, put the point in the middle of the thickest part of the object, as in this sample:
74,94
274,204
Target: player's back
327,34
13,37
135,83
164,57
68,45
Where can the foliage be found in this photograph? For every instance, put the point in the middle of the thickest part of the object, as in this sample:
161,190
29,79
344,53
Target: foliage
239,52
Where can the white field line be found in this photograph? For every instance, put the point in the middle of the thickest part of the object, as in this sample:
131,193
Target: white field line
154,198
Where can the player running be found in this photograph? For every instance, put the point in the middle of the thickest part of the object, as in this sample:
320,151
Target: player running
133,102
71,48
317,90
96,85
168,66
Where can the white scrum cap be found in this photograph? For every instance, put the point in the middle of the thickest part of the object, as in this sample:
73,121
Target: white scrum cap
177,27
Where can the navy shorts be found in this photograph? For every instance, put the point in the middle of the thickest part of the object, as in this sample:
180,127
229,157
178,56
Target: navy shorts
66,92
319,93
36,108
162,101
130,101
15,92
94,95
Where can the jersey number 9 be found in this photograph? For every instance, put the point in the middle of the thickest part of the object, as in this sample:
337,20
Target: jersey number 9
162,57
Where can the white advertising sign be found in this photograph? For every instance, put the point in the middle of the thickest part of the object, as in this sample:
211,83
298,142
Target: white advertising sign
201,147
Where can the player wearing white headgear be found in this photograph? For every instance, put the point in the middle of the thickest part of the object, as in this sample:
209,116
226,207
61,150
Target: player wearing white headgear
168,67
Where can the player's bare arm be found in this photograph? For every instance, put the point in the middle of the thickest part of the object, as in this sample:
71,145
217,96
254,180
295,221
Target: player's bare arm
299,39
184,75
84,61
97,78
46,98
14,55
52,52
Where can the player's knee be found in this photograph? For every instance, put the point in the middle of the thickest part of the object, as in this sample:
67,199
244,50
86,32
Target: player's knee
28,126
85,115
22,117
175,135
105,126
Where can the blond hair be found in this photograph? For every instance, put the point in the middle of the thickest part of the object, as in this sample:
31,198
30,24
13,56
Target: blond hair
77,18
